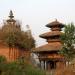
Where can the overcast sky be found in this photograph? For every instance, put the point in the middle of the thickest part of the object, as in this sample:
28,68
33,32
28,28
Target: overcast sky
37,13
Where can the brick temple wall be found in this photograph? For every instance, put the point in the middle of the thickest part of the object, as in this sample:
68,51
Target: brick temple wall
15,53
4,51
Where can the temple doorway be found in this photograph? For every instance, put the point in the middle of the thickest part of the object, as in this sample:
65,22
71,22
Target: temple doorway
51,65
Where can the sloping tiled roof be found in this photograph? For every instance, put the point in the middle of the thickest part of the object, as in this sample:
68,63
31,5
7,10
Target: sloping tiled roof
11,20
48,34
55,46
54,23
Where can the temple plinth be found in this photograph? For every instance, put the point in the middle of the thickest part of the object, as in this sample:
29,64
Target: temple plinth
48,53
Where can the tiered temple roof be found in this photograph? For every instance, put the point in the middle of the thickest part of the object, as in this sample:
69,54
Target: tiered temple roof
55,24
50,34
52,37
49,47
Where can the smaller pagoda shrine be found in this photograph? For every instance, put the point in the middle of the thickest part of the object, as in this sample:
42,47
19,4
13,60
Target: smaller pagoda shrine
12,53
48,54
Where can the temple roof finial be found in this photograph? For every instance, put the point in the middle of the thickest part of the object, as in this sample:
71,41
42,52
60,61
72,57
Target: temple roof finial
56,19
11,14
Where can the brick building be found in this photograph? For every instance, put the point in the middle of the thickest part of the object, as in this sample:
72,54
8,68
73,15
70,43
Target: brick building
12,54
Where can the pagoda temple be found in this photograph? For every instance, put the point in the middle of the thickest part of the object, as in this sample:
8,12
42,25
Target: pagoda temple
48,54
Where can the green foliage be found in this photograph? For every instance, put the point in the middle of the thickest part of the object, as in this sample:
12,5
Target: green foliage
25,43
12,35
2,59
68,42
19,67
2,64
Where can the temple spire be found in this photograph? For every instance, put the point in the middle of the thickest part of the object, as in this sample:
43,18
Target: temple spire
11,14
56,19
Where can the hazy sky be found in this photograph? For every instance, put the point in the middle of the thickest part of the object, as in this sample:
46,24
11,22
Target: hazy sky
37,13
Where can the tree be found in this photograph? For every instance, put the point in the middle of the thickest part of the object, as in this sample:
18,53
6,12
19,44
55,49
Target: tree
3,62
10,33
19,67
24,42
13,36
68,42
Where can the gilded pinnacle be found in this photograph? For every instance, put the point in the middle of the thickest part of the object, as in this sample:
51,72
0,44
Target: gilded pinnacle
11,14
